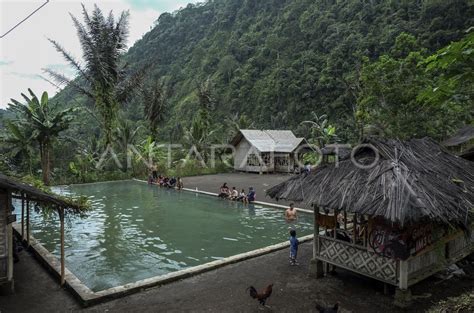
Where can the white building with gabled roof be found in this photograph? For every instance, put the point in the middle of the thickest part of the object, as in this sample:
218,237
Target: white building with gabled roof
264,151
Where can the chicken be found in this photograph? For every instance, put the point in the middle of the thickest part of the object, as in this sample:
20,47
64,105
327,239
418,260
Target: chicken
322,309
261,297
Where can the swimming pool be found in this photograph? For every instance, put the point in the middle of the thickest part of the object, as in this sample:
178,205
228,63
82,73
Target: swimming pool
137,231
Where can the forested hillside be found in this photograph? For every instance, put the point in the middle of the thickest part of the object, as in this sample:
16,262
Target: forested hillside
277,60
389,68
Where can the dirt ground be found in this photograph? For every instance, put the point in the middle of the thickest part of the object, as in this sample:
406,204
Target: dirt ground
224,289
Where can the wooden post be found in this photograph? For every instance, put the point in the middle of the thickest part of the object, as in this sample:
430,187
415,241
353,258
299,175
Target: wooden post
335,223
345,220
28,223
10,246
403,278
315,233
316,266
354,228
22,217
61,218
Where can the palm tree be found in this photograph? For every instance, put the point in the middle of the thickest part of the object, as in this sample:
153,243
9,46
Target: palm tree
236,122
202,129
125,135
200,136
154,99
45,122
102,77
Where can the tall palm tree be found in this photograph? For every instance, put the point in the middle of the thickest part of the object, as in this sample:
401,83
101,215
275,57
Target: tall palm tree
154,100
126,134
102,76
45,122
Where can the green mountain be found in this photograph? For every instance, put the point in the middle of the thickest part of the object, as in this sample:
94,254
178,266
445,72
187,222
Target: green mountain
276,61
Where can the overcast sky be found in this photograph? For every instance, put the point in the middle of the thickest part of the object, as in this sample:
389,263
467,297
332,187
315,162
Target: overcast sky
26,50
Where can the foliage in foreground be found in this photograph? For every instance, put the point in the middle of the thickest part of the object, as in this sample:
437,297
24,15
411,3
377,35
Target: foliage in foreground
461,304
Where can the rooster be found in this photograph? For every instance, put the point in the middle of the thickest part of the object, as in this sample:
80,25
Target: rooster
261,297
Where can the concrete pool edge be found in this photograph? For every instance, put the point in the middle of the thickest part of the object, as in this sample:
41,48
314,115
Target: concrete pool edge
254,202
87,297
53,265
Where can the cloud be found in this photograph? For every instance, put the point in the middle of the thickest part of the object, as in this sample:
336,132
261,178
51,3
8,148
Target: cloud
25,75
18,63
62,68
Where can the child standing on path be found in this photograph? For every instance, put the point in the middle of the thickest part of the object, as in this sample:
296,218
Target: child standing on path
293,247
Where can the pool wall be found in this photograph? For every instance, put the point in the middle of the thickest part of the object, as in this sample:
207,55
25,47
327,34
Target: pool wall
254,202
87,297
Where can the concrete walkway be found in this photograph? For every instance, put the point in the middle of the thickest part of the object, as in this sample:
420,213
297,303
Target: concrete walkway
223,290
212,183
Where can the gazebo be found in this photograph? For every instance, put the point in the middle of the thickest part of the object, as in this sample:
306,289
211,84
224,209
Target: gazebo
11,189
396,211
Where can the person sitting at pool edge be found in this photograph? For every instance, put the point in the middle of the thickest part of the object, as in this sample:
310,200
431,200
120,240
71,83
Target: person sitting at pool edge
251,195
171,183
179,184
242,196
224,191
234,195
290,213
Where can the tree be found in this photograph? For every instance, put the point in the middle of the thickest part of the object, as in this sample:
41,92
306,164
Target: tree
321,132
398,98
46,123
201,131
125,134
20,143
236,122
102,77
453,71
154,100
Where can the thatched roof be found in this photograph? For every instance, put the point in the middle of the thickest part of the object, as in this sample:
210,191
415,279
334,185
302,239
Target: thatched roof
468,154
342,151
463,135
39,196
411,180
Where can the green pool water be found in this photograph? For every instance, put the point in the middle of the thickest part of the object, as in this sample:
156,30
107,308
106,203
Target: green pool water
137,231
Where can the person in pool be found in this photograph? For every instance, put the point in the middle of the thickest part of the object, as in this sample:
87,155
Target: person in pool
290,213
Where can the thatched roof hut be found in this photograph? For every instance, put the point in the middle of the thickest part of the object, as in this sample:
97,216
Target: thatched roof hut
408,181
462,136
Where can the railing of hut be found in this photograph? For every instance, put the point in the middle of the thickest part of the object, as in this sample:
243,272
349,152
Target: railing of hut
356,255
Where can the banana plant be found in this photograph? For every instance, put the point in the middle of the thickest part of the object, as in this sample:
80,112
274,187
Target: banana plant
45,121
20,143
321,132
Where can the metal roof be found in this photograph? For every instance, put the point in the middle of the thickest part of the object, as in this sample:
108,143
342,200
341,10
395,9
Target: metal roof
270,140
